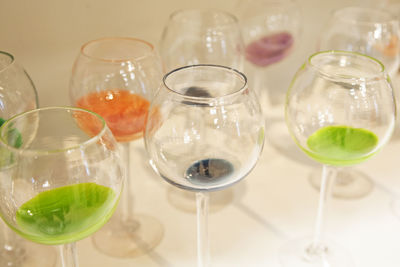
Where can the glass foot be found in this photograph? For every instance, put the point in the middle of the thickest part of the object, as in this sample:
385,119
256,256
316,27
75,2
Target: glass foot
28,254
186,200
349,183
128,239
300,253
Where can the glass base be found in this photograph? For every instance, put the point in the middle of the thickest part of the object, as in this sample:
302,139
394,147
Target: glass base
349,183
128,239
186,200
27,254
299,253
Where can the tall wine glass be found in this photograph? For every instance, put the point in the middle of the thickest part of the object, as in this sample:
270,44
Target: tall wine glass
271,30
375,33
340,111
201,36
60,176
117,78
18,94
204,143
370,31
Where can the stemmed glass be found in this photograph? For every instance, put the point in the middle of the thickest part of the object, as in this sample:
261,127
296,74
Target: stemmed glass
204,143
18,94
340,111
60,176
271,30
201,36
372,32
117,78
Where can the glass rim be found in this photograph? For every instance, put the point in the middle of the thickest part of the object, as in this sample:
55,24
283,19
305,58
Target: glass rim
367,10
235,20
203,98
277,3
86,143
338,52
137,40
11,62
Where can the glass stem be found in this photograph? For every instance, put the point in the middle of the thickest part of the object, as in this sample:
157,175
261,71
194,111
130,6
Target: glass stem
203,251
127,198
262,91
9,241
69,257
328,175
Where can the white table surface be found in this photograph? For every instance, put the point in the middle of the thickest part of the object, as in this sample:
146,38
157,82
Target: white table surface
271,206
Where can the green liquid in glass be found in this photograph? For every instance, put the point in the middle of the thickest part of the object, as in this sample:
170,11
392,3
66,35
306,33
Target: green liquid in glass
14,136
14,139
65,214
341,145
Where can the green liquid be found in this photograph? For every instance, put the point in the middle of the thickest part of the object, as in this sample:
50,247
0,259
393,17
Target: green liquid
14,139
341,145
14,136
65,214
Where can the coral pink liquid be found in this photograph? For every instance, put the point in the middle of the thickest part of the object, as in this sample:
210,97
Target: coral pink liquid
125,113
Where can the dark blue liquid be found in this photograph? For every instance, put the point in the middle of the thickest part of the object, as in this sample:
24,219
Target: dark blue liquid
196,92
209,171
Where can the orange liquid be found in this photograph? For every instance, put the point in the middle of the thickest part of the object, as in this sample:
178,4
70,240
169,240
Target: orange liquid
125,113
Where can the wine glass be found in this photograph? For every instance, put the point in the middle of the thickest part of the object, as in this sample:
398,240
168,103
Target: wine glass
61,176
340,111
372,32
18,94
117,78
204,143
271,30
201,36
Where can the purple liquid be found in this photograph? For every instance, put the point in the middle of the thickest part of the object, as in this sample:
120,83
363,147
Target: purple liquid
269,49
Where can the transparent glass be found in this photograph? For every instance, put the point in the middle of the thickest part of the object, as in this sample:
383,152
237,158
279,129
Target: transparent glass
117,78
370,31
373,32
201,36
204,143
340,111
61,176
271,31
18,94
